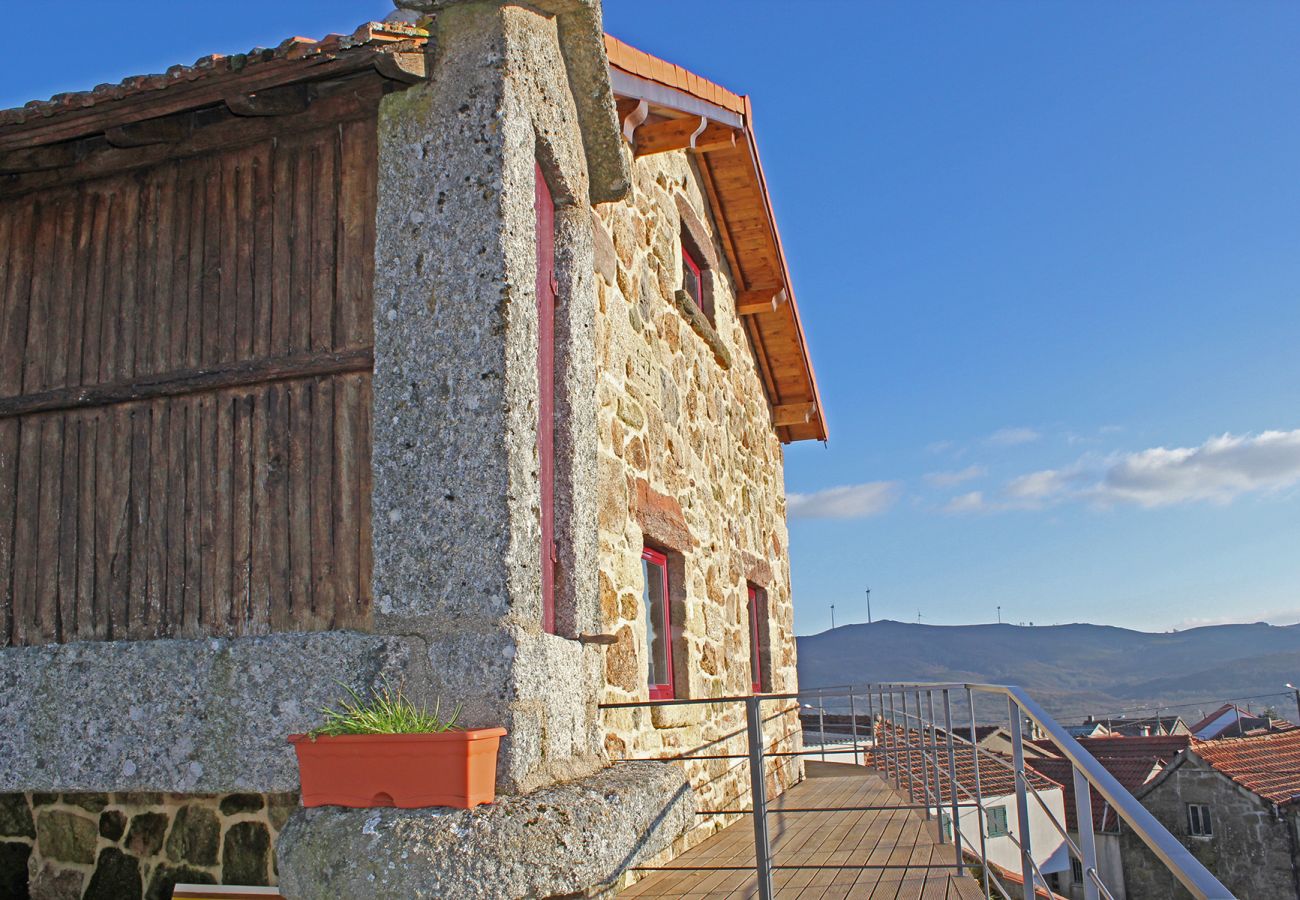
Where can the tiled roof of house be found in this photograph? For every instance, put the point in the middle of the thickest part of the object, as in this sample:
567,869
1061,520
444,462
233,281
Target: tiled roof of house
1044,746
381,36
997,779
1267,765
1163,747
1130,772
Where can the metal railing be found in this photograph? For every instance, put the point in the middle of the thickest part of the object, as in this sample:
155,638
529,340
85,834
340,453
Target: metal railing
943,772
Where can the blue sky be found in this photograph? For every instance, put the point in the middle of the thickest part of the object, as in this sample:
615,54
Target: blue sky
1033,242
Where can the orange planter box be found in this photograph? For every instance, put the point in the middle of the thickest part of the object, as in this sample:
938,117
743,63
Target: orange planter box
454,768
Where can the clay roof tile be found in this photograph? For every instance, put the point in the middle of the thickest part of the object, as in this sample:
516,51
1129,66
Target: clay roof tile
1266,764
374,34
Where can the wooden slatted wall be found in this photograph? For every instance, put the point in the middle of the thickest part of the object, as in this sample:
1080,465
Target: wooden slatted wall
185,395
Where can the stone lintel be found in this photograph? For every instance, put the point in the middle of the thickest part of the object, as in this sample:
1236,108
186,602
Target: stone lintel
660,517
564,840
194,716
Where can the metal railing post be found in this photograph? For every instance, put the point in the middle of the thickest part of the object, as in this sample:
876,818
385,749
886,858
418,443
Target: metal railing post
891,743
1022,798
821,723
853,721
758,798
1087,837
871,721
934,764
952,776
907,749
923,741
979,794
888,725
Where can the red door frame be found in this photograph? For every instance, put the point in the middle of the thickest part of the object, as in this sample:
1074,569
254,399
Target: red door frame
546,299
665,691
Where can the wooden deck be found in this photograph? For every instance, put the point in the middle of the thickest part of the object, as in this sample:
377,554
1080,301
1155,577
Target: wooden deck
900,841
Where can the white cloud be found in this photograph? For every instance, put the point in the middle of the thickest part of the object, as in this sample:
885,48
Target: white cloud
966,503
1012,437
852,501
1219,471
954,478
1037,487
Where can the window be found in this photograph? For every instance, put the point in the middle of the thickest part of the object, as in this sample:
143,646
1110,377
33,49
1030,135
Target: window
692,282
695,268
1198,820
998,822
655,607
544,206
757,681
1076,870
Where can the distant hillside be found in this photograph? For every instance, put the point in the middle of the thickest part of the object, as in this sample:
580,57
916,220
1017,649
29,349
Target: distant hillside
1071,669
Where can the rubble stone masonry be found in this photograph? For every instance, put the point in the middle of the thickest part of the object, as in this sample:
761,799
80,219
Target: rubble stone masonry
128,846
689,463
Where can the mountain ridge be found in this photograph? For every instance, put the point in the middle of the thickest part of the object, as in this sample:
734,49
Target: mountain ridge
1073,669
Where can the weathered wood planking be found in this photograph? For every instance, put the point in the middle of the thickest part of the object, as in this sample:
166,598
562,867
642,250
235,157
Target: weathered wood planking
185,394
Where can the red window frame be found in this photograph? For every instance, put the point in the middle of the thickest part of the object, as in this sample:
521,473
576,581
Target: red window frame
755,647
690,264
547,290
666,690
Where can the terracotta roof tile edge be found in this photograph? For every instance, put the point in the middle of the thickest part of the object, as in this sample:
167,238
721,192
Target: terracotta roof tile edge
375,34
637,62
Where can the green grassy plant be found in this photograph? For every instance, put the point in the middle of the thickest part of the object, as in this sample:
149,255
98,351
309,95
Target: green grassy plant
386,711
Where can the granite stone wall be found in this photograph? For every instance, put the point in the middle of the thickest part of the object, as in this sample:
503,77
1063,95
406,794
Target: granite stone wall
688,462
456,470
129,846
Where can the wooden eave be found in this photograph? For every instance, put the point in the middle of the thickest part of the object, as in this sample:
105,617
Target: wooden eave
738,194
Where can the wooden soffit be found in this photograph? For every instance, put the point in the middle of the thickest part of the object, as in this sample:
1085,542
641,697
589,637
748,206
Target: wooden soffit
665,107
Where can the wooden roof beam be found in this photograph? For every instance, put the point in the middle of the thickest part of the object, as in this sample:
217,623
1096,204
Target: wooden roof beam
793,414
281,101
39,159
670,134
716,136
407,68
162,130
760,300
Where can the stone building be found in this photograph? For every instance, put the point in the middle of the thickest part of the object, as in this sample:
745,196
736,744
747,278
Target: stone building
458,354
1232,803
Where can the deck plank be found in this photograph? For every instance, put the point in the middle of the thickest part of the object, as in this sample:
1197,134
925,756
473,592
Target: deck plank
828,846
